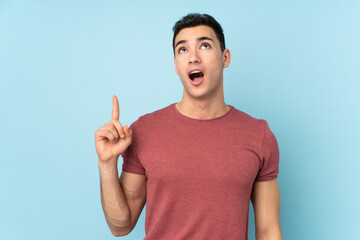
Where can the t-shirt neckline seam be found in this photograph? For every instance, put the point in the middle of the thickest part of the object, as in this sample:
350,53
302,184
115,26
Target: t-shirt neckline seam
200,120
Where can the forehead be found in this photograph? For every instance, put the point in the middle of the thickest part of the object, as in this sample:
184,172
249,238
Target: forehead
193,33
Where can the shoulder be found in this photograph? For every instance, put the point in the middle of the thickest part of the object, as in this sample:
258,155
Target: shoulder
247,121
155,118
256,129
256,126
157,115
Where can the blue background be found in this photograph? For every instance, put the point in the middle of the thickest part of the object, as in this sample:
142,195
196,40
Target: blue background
294,63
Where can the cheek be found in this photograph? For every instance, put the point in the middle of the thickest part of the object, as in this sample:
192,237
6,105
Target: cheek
178,66
181,70
183,77
214,63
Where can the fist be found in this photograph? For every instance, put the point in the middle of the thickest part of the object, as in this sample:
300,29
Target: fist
112,139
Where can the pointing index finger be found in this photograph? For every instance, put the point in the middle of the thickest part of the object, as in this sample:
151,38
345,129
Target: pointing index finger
115,111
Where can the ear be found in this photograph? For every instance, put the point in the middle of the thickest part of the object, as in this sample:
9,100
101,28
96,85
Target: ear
226,58
176,70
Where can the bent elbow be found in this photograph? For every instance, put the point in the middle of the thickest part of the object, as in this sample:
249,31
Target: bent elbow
120,228
120,232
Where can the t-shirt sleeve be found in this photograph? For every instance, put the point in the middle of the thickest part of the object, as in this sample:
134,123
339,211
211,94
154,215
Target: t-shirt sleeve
270,157
131,162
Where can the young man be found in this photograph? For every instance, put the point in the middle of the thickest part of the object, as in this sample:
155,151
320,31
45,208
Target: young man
197,163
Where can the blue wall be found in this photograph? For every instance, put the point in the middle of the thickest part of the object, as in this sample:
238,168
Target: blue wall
295,64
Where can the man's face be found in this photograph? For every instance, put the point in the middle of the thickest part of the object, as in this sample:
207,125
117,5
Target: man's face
199,61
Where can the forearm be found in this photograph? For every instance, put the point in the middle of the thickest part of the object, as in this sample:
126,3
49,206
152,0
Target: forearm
116,209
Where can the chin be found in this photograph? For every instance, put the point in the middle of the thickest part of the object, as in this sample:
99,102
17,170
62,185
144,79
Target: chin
199,96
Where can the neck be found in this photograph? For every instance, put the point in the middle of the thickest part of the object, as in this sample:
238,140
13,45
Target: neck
207,108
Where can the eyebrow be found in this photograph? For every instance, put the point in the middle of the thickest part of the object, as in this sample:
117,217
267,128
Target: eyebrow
198,39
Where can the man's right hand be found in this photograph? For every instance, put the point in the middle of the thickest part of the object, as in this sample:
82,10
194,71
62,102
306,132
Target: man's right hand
112,139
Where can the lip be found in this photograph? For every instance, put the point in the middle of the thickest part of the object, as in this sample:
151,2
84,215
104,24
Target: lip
198,82
194,69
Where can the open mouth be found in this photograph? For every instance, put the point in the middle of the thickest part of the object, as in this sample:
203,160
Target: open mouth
196,75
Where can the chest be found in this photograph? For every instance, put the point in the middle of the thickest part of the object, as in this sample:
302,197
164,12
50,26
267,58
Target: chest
214,157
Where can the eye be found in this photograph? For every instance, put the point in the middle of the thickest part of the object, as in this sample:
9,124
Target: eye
205,45
181,50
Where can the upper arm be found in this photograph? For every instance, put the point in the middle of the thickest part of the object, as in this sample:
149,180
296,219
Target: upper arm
265,199
134,187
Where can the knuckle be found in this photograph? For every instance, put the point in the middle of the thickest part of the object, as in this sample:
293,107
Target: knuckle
98,131
119,128
118,123
116,135
113,128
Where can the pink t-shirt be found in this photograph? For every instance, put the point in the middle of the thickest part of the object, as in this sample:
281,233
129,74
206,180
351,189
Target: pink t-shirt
200,173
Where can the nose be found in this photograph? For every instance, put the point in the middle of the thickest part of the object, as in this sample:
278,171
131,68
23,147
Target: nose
194,57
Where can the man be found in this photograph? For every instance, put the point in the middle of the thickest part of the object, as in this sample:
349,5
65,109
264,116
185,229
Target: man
197,163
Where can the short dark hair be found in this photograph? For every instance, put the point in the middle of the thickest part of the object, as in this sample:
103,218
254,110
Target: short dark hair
197,19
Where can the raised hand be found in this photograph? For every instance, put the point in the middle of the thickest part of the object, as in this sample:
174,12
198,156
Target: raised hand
112,139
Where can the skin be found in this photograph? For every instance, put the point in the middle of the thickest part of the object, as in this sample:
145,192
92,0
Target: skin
124,198
265,199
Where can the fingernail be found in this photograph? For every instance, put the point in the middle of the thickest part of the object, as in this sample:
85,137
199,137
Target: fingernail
122,135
